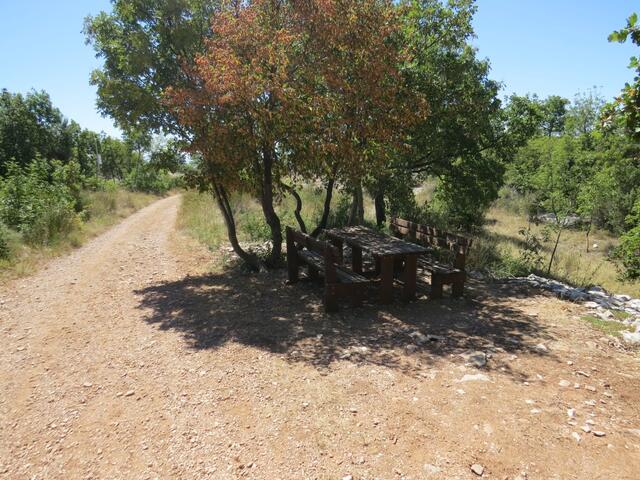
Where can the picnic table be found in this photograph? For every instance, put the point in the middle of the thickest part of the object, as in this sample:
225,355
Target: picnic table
389,252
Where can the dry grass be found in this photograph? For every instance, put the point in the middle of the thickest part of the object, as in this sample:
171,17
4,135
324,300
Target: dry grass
573,263
103,210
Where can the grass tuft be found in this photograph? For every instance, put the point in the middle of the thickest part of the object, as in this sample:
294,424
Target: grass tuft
608,327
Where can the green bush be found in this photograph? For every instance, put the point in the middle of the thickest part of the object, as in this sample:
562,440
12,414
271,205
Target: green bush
628,253
5,247
41,200
148,179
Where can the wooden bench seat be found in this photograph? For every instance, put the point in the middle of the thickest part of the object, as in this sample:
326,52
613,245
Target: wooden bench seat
322,258
440,272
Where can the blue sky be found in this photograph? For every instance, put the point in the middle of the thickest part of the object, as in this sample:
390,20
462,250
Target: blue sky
535,46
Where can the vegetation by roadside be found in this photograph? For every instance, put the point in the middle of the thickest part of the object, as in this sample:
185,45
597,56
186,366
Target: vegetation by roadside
509,245
103,209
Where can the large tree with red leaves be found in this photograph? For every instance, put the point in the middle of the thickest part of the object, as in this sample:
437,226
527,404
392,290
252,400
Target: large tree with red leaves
311,89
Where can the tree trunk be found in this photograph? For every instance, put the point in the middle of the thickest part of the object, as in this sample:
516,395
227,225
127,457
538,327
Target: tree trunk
381,216
326,209
555,248
588,233
222,200
356,215
268,209
296,213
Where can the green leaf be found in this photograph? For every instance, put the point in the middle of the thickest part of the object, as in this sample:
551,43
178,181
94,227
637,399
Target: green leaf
633,19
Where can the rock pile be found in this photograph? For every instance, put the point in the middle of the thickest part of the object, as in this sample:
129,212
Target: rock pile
594,298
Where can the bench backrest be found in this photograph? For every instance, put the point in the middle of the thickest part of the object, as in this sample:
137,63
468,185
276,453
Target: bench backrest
331,254
432,237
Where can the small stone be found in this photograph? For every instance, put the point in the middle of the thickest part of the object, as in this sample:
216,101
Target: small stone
479,377
87,384
419,338
590,388
129,393
477,469
542,348
477,359
353,410
347,477
571,413
586,428
591,403
576,436
598,433
431,469
305,404
584,374
564,383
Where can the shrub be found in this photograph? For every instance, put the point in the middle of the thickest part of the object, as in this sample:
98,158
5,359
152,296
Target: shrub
628,253
148,179
40,201
5,247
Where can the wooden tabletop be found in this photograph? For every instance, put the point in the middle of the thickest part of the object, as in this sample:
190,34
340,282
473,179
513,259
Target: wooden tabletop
377,243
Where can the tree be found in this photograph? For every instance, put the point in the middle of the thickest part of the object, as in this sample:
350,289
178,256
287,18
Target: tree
469,134
626,107
554,111
30,125
289,89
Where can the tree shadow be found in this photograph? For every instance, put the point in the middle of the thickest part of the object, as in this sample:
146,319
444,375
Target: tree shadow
263,312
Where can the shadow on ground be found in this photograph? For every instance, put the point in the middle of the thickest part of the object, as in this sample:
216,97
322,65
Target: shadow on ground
263,312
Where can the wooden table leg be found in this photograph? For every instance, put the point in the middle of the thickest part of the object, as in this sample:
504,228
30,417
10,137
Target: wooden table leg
356,259
386,279
409,277
339,244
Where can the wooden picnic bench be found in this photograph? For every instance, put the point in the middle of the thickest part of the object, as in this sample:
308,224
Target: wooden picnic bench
322,258
390,254
441,273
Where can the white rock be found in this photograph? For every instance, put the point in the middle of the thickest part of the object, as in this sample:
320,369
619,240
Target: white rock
571,413
542,348
604,314
431,469
586,428
478,377
633,338
576,436
477,469
590,304
564,383
599,434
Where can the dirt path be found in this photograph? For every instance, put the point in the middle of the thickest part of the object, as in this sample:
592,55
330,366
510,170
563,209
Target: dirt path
127,360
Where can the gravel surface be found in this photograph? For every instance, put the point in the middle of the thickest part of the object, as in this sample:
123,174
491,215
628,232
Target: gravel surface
138,356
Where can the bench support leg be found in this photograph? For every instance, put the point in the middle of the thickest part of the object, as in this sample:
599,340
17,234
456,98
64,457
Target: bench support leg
457,288
330,299
436,286
313,273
